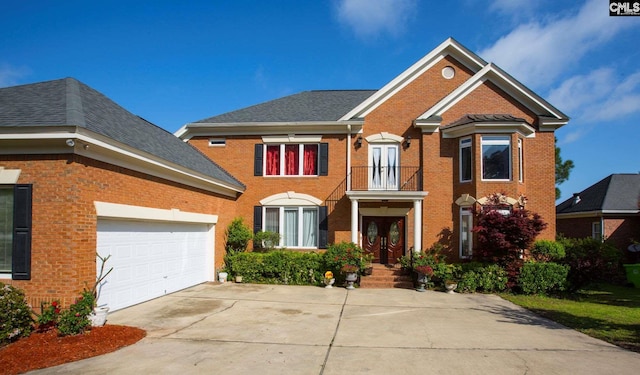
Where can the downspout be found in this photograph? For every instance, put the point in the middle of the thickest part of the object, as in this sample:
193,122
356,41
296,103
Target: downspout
348,157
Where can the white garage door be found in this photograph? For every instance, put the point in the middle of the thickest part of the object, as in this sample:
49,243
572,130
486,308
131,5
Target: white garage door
151,259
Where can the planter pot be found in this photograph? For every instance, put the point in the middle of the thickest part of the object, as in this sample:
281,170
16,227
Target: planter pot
422,282
351,278
368,271
450,287
238,279
99,316
222,277
329,282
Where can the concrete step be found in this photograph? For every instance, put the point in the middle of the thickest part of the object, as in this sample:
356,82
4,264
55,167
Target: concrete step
387,277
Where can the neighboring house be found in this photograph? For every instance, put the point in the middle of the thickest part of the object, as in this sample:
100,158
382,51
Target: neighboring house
391,169
608,209
80,174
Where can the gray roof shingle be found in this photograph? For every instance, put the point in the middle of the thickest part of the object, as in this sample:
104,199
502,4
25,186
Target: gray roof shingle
307,106
616,192
68,102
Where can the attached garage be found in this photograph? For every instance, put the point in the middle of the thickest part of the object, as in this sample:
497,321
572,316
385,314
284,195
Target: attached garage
152,256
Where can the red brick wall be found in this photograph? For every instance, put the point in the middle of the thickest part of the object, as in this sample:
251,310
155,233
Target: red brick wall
65,222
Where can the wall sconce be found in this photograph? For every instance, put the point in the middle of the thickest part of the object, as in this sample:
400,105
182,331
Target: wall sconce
70,142
359,141
407,141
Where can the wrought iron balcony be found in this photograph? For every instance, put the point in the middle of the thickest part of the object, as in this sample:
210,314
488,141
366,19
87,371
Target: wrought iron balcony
381,178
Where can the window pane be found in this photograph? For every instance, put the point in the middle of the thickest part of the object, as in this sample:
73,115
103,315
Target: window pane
291,159
310,227
6,228
272,220
465,234
310,160
273,160
496,158
290,235
465,162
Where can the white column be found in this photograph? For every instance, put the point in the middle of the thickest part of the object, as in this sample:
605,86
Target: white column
354,221
417,225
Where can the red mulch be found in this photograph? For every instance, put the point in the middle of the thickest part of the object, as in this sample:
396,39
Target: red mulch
47,349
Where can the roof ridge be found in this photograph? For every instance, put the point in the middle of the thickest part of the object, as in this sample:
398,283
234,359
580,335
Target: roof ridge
73,103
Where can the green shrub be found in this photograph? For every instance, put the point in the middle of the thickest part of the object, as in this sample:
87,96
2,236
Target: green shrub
237,236
266,240
277,267
591,261
50,316
339,254
15,314
486,278
542,278
547,251
75,320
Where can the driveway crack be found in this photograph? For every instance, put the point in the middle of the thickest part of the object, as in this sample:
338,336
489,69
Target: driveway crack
199,320
335,333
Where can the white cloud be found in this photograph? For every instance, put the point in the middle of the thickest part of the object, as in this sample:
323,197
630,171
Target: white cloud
536,53
10,75
369,18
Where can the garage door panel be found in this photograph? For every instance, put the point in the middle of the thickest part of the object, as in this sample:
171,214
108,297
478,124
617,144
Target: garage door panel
152,259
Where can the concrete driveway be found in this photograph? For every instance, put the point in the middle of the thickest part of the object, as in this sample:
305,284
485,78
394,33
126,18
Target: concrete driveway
272,329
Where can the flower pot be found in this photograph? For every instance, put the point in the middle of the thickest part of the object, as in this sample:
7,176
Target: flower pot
99,316
351,278
329,282
222,277
238,278
450,287
422,282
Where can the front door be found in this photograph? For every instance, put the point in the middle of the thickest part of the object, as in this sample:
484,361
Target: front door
384,238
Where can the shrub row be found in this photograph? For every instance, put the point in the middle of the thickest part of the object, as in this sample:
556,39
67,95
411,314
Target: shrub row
277,267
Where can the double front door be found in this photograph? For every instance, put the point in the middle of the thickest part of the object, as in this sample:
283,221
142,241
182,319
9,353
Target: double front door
383,237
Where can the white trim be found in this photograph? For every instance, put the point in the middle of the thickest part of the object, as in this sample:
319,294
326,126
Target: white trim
384,137
522,128
266,128
509,85
391,195
9,176
597,213
384,211
446,48
105,210
291,198
292,138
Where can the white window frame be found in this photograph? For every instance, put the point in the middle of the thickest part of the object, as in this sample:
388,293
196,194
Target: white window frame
520,161
300,225
466,213
217,142
466,143
495,140
384,181
7,223
282,160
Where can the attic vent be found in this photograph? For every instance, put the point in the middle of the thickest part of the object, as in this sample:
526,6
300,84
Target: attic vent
576,199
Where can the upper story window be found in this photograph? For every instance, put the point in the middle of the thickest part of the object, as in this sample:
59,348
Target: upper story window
466,160
596,231
6,228
520,161
496,158
291,159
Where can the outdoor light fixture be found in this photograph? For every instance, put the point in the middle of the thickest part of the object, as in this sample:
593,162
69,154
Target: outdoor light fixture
359,141
70,142
407,142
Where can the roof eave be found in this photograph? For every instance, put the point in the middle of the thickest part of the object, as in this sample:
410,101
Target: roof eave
261,128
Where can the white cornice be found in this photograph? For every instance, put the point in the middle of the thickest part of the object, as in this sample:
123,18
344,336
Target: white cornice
457,131
597,213
446,48
107,210
95,146
377,195
267,128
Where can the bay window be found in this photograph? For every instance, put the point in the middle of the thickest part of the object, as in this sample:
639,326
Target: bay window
496,158
466,235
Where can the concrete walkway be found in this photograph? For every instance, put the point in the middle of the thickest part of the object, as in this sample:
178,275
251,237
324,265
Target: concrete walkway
267,329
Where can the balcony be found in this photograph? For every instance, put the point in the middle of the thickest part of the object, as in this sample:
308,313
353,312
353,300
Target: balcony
382,178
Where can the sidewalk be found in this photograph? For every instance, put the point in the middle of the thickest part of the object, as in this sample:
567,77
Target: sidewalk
275,329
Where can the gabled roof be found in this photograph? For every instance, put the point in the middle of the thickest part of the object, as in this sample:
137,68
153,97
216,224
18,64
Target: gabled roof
617,193
70,103
307,106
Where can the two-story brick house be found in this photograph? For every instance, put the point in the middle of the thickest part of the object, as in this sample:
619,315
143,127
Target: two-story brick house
391,169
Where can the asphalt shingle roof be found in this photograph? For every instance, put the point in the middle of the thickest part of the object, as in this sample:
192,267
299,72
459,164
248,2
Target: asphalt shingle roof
475,118
307,106
616,192
68,102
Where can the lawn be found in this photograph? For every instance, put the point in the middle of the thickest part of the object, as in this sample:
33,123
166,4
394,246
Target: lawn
607,312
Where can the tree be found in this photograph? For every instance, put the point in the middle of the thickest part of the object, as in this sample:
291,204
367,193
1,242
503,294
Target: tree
563,169
238,236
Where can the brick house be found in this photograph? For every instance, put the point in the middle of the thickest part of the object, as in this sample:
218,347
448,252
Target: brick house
391,169
80,174
608,209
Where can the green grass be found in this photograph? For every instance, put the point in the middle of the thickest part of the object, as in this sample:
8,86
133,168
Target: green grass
607,312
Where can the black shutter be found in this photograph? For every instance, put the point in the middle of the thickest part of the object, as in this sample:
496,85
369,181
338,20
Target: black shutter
21,254
257,219
257,160
323,169
323,221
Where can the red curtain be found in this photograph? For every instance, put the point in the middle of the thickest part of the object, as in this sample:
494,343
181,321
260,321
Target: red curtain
273,160
291,159
310,160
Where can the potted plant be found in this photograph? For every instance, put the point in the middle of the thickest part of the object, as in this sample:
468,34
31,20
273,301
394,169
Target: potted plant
329,280
351,274
98,316
424,272
367,260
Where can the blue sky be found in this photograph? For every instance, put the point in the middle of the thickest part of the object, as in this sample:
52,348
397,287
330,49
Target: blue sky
174,62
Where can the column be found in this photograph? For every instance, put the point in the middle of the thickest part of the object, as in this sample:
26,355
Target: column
417,225
354,221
